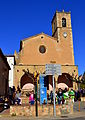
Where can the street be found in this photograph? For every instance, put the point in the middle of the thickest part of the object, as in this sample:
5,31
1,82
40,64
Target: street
47,118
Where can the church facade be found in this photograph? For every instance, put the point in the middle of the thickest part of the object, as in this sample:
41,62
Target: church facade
37,51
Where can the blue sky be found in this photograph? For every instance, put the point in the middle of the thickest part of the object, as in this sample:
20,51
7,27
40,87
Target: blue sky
20,19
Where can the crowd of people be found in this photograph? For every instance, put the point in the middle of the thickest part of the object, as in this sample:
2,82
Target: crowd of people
62,96
14,95
12,98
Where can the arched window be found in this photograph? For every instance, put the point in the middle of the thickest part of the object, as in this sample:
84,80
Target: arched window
63,22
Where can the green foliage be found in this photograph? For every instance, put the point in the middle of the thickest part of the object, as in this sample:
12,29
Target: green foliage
82,85
83,76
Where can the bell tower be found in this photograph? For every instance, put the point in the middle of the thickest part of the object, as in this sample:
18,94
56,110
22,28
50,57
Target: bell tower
62,31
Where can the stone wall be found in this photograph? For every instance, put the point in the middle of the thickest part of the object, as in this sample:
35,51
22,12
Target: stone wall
43,110
82,98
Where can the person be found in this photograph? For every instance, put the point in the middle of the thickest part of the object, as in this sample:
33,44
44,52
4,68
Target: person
72,95
6,103
18,89
31,98
59,96
10,95
78,95
14,100
51,97
17,97
83,92
56,97
65,96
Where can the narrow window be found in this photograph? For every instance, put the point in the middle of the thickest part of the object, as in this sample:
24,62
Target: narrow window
63,22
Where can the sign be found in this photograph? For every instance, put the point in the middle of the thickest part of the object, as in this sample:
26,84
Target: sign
43,95
51,69
41,81
43,90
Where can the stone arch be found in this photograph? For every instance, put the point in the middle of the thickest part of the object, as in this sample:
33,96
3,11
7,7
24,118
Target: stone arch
26,78
65,78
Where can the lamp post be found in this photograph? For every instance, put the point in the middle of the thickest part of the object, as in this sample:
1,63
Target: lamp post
54,97
35,82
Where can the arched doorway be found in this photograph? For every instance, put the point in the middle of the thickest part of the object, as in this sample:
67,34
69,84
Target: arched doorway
66,79
26,79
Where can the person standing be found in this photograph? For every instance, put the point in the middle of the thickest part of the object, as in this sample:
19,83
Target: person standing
31,98
72,95
51,97
59,96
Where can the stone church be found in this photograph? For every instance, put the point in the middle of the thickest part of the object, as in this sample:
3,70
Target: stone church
41,49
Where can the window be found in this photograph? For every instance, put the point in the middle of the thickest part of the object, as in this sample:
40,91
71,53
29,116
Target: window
41,37
17,70
63,22
42,49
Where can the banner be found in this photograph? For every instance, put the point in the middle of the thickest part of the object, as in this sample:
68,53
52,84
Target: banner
43,91
43,95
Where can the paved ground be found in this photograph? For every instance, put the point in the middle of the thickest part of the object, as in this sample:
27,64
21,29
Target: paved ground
44,118
82,106
77,115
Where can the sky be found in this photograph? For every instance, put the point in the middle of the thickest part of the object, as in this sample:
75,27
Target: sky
21,19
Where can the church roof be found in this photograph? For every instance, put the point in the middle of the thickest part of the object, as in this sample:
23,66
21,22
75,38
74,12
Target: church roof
38,35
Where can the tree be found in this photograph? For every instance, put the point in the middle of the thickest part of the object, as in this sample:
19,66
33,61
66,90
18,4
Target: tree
83,76
83,81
